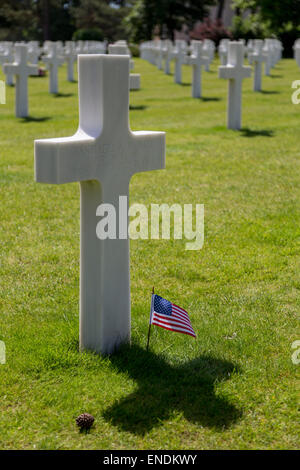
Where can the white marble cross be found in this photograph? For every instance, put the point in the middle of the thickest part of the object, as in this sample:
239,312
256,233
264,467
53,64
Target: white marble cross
197,60
7,58
223,51
257,57
234,72
209,50
33,52
53,60
21,69
179,55
159,53
70,57
80,47
102,155
268,51
167,55
121,49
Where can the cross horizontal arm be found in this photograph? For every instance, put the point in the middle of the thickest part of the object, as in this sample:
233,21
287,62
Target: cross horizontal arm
195,60
148,151
64,160
15,69
32,69
230,72
10,69
254,57
53,60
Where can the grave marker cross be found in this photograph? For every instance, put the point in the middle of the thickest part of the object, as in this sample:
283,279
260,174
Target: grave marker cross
179,56
167,55
197,59
257,57
7,58
235,72
21,69
53,60
102,155
70,57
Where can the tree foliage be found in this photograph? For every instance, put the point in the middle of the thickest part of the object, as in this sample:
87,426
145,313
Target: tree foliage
277,12
59,19
140,19
18,18
268,18
102,16
209,29
35,19
164,17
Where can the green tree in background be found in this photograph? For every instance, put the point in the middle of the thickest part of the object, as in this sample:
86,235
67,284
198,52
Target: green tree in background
140,19
164,16
268,18
35,19
18,19
102,17
59,19
277,12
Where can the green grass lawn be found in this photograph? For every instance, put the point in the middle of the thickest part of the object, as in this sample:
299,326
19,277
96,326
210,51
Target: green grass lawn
234,387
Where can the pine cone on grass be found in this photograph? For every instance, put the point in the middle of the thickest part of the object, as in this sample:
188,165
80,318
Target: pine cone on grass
85,421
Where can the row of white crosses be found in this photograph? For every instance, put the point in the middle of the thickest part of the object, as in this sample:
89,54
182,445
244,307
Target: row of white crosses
69,52
57,53
271,50
159,51
16,58
102,155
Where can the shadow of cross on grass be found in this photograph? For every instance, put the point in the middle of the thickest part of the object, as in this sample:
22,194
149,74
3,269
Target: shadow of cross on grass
188,388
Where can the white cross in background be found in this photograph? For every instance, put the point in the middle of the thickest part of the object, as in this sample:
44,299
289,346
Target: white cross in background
21,69
234,72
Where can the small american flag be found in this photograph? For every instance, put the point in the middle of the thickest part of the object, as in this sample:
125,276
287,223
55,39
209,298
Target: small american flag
170,316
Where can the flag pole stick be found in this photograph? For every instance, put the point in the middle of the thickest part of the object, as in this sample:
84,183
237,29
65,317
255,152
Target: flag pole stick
149,329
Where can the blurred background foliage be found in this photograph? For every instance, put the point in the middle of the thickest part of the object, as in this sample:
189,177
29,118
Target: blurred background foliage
140,20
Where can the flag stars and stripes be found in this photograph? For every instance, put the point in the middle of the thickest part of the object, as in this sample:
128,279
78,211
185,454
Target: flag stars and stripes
170,316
